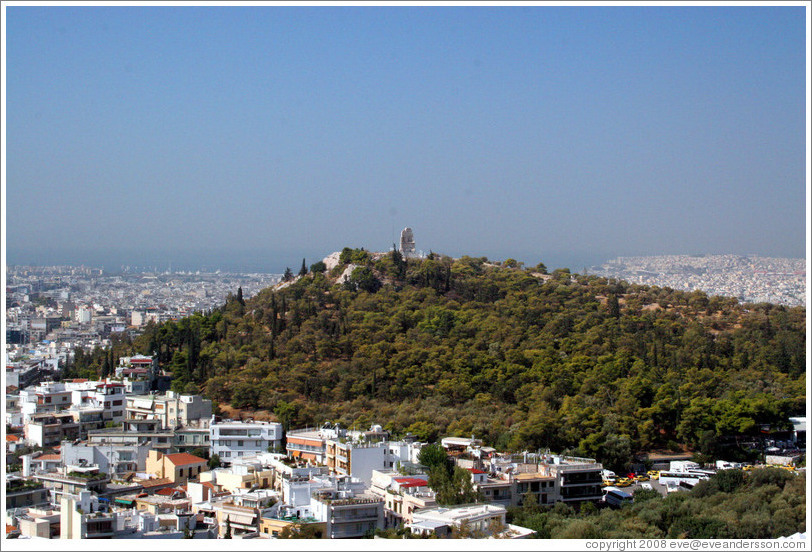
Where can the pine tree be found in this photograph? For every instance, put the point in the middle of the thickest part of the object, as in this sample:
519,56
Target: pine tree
105,367
613,305
288,275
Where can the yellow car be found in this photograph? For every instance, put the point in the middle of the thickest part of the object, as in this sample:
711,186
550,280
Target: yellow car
623,482
641,478
654,474
749,468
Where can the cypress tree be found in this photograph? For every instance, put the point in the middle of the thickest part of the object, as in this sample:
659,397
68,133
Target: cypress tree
303,270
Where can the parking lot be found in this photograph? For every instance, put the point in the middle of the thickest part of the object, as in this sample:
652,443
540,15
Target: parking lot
655,485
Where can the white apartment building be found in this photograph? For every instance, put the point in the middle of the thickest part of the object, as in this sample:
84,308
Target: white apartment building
231,440
57,396
347,514
360,459
84,314
110,459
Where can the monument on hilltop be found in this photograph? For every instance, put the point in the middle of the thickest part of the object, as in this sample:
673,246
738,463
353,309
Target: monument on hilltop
407,243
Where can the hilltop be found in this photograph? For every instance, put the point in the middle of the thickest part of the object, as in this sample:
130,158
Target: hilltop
518,357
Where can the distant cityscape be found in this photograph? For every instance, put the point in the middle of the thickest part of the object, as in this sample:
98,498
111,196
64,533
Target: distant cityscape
52,310
751,279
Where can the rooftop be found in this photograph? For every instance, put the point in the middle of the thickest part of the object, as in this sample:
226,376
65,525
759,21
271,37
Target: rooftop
183,459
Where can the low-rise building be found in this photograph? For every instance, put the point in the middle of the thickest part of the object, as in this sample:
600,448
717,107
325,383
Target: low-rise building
466,521
178,467
403,495
39,523
239,477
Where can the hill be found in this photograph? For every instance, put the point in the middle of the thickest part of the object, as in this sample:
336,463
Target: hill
517,357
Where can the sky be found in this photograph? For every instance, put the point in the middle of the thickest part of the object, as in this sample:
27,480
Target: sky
253,137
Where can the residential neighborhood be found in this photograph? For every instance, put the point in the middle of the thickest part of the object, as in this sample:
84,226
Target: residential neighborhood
103,459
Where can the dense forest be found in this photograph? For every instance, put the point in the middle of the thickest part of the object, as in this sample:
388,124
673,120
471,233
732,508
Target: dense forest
515,356
762,504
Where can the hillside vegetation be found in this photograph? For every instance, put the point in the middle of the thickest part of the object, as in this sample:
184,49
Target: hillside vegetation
763,504
521,359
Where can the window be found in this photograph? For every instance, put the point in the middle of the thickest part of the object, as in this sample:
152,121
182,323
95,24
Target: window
239,443
181,472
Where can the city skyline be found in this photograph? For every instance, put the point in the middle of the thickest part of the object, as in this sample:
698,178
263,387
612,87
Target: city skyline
255,136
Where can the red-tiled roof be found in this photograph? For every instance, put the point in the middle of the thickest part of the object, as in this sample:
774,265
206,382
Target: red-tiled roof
169,491
184,458
12,438
474,470
48,457
149,483
411,482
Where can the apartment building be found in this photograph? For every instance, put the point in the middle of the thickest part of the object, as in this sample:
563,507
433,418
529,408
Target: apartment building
360,458
576,479
73,483
231,440
307,445
24,493
348,514
173,410
189,439
403,495
110,459
77,522
49,429
274,522
157,440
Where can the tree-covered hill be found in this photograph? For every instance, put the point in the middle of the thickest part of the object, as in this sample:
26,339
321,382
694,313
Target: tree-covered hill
517,357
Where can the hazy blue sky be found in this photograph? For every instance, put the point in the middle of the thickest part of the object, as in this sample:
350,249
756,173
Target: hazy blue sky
261,135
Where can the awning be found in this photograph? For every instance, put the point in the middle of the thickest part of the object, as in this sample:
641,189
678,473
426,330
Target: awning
124,501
